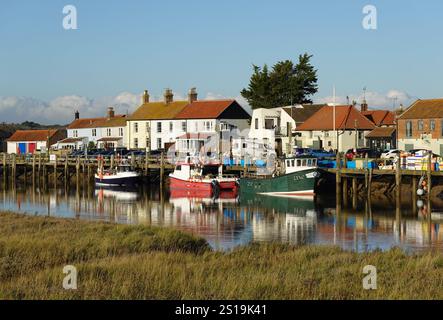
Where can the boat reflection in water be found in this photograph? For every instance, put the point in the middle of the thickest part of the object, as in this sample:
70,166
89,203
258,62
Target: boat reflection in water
227,220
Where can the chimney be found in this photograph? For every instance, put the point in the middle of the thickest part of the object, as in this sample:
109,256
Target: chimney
111,113
145,98
192,95
364,106
77,115
169,96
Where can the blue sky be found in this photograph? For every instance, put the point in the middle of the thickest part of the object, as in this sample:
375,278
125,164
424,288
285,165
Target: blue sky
128,46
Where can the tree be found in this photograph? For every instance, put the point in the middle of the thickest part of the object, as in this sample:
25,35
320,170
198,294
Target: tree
286,84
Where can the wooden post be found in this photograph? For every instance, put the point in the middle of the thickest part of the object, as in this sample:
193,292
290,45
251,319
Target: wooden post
77,174
14,167
414,195
398,179
112,161
55,172
162,168
366,171
354,192
429,173
33,168
338,175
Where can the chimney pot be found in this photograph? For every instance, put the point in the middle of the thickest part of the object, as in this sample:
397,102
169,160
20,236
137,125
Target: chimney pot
145,98
364,106
111,113
169,96
192,95
77,115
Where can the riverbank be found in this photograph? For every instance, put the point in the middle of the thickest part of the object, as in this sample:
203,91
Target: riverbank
139,262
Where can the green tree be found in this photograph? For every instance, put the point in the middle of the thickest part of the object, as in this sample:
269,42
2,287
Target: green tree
286,84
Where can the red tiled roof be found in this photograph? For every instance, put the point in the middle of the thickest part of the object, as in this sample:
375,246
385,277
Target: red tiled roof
424,109
381,132
208,109
96,122
380,117
346,118
32,135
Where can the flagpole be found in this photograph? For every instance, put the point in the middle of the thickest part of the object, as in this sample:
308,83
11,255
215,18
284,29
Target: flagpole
333,117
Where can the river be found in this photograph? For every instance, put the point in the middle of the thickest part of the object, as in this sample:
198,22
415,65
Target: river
229,220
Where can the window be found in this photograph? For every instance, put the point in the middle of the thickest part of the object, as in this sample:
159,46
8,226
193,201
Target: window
409,129
147,143
269,123
135,143
75,133
208,125
120,132
159,143
108,132
298,163
147,127
420,125
184,127
94,132
432,125
256,123
159,127
136,127
360,135
171,126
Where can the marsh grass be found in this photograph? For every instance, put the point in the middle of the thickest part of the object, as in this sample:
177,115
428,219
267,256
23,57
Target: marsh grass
139,262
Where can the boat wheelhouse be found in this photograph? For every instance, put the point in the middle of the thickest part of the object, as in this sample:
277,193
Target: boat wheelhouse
292,177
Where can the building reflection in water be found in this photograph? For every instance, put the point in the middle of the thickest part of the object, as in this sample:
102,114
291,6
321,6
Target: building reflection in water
228,221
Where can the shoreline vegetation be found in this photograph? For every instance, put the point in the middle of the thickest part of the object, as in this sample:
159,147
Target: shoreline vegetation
140,262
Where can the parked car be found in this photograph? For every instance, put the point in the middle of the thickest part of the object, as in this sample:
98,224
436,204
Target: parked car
319,153
390,154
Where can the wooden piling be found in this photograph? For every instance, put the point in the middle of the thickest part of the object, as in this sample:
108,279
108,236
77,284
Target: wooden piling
162,168
429,173
398,178
338,175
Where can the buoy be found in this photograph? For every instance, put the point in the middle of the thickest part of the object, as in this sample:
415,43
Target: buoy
420,204
420,192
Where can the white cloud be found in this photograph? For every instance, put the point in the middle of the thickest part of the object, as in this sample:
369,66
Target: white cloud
61,109
374,99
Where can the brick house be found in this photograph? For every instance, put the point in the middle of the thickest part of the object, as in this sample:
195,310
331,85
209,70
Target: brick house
421,126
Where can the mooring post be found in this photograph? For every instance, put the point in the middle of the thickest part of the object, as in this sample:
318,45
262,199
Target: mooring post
338,175
55,172
33,168
112,161
14,167
398,179
429,173
162,168
345,183
366,171
354,192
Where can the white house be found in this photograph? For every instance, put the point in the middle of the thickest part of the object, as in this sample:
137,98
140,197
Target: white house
186,125
275,128
349,131
31,141
104,132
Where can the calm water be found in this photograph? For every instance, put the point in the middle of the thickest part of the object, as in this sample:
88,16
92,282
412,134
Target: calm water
229,221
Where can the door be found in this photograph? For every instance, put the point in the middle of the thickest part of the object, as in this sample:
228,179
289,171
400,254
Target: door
31,147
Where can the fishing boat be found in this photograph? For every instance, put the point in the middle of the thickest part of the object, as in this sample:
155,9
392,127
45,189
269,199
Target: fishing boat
204,177
293,177
122,175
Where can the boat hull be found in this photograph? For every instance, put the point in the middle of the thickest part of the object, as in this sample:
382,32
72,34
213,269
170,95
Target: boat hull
227,185
179,184
299,184
117,181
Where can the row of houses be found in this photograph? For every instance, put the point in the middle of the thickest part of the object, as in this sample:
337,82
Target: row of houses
189,125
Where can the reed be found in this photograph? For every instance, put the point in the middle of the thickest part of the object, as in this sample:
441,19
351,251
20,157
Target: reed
139,262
